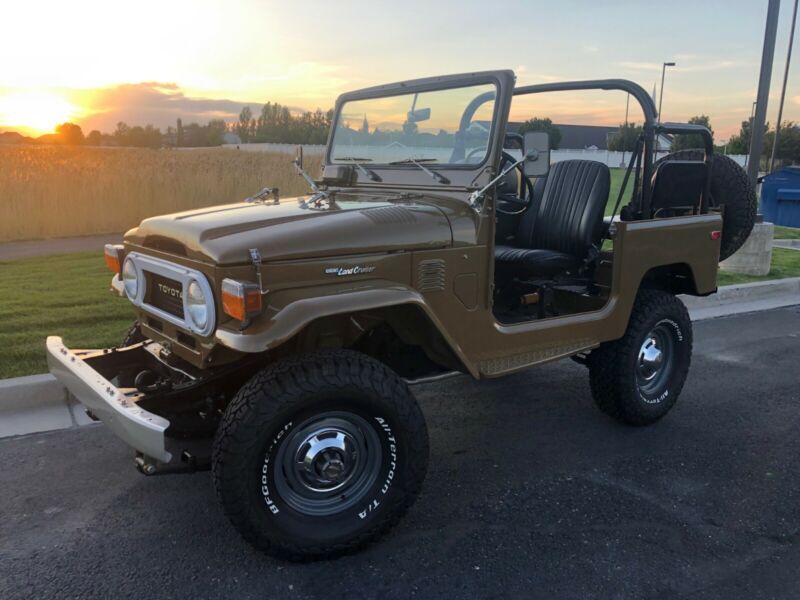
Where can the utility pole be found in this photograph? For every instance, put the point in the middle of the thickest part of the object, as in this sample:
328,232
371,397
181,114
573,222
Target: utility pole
783,89
767,55
750,143
661,93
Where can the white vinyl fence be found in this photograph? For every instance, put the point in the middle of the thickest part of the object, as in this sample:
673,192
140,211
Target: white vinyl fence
308,149
612,159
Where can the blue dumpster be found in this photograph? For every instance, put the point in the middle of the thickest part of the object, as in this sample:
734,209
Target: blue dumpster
780,197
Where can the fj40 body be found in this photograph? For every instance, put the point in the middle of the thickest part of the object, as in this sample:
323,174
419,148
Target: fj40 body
275,339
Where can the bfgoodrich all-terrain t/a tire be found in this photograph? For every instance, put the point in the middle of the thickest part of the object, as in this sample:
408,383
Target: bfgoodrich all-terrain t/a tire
319,454
637,379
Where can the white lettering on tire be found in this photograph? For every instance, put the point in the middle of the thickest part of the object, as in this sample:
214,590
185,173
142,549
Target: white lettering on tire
375,503
265,470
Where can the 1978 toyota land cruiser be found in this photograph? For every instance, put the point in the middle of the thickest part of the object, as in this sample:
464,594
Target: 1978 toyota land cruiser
275,339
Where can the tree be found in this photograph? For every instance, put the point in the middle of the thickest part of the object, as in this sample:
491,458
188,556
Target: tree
740,143
179,134
243,128
684,141
95,138
788,143
625,139
69,134
137,136
215,132
546,125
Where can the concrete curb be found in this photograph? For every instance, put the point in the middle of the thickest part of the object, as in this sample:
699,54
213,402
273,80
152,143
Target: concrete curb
39,403
744,298
789,244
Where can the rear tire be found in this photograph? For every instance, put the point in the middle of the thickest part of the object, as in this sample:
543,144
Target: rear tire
637,379
731,190
319,454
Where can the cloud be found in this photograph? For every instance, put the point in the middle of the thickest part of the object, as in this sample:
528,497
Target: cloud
590,49
155,103
690,66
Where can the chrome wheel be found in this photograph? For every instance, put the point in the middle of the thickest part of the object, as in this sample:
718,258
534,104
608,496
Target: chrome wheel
328,463
655,359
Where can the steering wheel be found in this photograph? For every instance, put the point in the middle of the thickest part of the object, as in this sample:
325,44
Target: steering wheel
508,188
474,152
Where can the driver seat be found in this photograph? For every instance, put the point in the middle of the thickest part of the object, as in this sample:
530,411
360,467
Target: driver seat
556,233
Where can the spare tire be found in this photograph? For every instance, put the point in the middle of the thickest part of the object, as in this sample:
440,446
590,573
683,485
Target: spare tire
731,191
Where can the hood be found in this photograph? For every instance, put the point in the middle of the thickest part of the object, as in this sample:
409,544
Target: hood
295,229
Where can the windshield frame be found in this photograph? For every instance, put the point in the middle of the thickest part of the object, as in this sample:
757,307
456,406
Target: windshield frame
500,81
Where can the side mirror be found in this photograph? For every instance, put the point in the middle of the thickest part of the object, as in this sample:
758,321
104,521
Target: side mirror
537,154
298,157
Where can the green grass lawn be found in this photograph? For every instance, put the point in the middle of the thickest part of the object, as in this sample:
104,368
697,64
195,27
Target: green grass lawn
785,263
786,233
617,175
64,295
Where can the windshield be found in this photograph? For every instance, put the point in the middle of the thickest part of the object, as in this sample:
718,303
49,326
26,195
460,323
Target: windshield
450,126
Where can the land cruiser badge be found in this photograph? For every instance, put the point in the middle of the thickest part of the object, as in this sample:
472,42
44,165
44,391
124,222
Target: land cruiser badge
342,271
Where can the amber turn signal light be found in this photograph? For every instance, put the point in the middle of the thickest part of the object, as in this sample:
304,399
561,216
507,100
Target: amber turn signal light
113,256
240,300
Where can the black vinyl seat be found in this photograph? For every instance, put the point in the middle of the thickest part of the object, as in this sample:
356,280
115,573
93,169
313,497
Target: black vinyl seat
559,228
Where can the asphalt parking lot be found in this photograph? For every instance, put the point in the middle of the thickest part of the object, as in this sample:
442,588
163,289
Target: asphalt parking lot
531,492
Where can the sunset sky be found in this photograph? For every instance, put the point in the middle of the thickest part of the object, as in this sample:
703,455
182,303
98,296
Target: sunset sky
96,63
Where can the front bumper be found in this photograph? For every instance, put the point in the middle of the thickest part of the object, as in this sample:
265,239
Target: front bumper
116,407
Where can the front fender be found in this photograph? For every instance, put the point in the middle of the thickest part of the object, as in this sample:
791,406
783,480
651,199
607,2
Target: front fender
290,311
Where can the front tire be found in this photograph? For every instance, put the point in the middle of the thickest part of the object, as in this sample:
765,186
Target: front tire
638,378
319,454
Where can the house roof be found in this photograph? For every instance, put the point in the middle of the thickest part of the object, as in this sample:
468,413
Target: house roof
578,137
581,137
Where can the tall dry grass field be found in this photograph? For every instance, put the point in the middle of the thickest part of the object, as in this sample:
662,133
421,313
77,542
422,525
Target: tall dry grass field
57,191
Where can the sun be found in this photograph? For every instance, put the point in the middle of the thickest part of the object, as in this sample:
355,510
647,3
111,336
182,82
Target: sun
37,112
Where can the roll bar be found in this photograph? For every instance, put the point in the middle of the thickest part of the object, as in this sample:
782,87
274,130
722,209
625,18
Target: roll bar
650,128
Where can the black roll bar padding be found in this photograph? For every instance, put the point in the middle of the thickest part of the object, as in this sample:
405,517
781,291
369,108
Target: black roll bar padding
708,143
648,127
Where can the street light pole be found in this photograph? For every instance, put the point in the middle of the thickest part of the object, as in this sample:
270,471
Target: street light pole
661,93
750,143
783,90
760,117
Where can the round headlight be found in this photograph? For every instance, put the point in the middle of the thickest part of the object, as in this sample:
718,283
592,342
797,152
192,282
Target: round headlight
197,305
129,278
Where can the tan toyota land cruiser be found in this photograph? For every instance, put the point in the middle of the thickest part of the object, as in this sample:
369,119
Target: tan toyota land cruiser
275,339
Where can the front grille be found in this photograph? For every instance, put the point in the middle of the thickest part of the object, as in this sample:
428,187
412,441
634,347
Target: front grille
161,292
164,293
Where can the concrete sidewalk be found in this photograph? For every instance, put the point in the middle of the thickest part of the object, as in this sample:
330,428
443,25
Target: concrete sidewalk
16,250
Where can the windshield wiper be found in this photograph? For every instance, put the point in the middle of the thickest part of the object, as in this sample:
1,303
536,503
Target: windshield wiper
357,162
417,162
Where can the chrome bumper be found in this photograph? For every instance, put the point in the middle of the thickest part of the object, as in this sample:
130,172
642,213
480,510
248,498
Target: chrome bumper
142,430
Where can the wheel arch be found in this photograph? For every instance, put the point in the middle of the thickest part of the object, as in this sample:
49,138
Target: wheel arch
676,278
332,318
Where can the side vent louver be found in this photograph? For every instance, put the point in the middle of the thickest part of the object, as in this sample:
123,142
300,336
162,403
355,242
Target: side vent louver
390,215
431,275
